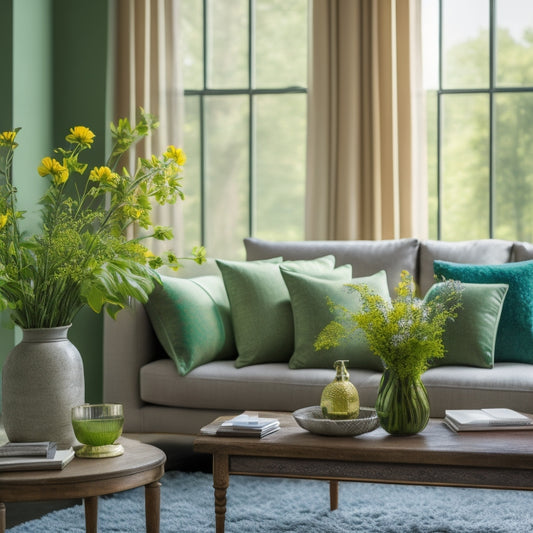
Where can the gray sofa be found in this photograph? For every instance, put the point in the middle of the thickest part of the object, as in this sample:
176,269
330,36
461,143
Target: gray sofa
157,399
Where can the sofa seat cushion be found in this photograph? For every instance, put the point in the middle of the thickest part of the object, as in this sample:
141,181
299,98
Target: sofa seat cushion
270,386
460,387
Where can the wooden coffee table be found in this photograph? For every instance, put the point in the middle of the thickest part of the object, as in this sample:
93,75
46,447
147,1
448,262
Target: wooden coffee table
140,465
436,456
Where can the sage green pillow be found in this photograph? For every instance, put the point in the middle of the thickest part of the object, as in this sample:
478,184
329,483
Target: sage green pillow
470,338
191,319
260,307
311,314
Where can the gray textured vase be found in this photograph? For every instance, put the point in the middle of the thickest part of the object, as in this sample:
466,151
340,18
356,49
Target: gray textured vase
42,379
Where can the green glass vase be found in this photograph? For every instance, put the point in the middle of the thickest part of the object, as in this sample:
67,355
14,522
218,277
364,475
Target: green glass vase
402,404
340,399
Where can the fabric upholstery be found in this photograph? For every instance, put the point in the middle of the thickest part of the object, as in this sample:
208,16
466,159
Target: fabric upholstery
514,341
470,338
311,313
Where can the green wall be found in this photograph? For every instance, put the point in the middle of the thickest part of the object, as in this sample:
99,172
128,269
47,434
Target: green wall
56,76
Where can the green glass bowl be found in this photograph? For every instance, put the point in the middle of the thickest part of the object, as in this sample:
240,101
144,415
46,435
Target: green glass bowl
98,426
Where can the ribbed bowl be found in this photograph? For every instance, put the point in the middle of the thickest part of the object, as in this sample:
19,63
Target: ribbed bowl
312,419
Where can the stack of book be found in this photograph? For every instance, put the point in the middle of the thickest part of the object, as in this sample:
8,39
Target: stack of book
243,425
33,456
486,419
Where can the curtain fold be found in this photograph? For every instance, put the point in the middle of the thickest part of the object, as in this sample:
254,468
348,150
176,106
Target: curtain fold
365,167
148,75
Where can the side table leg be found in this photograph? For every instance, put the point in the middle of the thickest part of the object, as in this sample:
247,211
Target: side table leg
91,514
333,494
220,484
2,517
152,504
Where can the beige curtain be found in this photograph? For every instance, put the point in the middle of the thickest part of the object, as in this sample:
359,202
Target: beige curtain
148,75
365,163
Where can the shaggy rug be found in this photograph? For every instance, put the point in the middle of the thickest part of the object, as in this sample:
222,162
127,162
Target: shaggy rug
285,505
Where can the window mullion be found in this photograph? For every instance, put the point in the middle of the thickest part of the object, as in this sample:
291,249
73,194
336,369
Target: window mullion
251,125
492,140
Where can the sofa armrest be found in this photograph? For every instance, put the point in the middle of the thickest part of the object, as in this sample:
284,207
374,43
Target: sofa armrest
129,344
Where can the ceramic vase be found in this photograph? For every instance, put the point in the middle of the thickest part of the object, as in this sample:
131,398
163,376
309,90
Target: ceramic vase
42,379
402,404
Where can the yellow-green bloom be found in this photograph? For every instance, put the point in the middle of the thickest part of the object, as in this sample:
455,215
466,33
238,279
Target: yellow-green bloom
177,154
3,220
52,167
80,135
7,138
104,175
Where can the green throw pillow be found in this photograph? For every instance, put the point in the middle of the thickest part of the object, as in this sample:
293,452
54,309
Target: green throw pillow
311,314
260,307
514,339
470,338
191,318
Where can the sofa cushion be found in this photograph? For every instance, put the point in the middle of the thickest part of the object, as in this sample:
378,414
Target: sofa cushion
266,387
522,251
260,307
366,257
483,252
191,319
470,338
311,313
514,341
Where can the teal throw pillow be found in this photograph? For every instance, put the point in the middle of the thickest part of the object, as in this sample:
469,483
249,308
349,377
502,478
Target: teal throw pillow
260,307
311,314
470,338
191,319
514,339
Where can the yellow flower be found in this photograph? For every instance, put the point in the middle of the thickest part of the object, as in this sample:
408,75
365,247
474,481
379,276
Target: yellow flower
3,221
177,154
104,175
7,138
53,168
80,135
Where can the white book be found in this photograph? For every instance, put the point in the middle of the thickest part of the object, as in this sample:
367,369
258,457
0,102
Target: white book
58,462
485,419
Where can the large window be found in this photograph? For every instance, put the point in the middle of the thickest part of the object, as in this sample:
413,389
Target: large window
478,72
245,78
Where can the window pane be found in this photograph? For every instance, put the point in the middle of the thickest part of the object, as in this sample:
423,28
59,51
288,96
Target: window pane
227,62
430,43
280,167
514,166
514,43
280,37
465,166
431,136
192,206
465,42
226,186
192,43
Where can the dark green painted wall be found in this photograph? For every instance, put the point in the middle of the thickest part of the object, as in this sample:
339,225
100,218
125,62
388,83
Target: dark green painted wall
55,66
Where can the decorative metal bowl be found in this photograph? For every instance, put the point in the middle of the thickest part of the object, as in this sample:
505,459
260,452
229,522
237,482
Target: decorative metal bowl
312,419
98,426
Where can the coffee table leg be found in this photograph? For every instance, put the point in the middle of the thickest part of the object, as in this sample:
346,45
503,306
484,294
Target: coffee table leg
220,483
152,503
91,514
333,494
2,517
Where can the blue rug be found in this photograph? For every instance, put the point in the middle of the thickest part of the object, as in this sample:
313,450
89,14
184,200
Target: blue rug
301,506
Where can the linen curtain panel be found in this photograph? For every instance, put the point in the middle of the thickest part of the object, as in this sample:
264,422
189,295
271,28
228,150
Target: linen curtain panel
365,157
148,75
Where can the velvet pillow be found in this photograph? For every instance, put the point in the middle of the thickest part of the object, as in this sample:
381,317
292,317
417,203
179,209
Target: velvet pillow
260,307
514,339
471,337
311,314
191,319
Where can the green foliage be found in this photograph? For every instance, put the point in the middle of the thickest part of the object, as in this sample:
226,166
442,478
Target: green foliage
81,255
405,332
